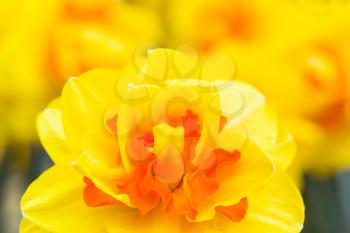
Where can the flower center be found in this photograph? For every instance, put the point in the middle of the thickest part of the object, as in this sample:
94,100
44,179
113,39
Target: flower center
164,171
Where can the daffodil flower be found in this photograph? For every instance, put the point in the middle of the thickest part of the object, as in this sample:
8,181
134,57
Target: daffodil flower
248,24
43,43
160,147
309,84
300,54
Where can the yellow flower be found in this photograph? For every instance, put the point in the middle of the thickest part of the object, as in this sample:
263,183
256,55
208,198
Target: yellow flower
42,43
245,24
309,82
296,53
90,34
322,95
162,148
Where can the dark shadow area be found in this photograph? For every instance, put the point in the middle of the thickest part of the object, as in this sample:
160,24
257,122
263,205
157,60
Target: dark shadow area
16,173
323,206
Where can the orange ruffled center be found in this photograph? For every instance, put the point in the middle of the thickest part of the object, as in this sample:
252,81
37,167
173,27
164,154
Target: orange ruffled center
175,182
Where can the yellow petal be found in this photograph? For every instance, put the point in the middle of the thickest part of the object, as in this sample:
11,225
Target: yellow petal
262,129
102,83
134,115
167,64
284,150
171,103
99,157
84,101
250,120
252,171
156,222
99,162
277,208
55,202
103,177
51,133
81,111
29,227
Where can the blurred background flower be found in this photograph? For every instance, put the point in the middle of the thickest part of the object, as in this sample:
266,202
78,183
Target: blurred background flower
44,43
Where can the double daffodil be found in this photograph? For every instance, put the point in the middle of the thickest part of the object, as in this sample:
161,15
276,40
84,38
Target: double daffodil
160,146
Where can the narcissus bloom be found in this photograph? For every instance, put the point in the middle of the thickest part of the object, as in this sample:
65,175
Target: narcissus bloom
245,24
90,34
44,42
319,100
162,148
309,83
300,59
